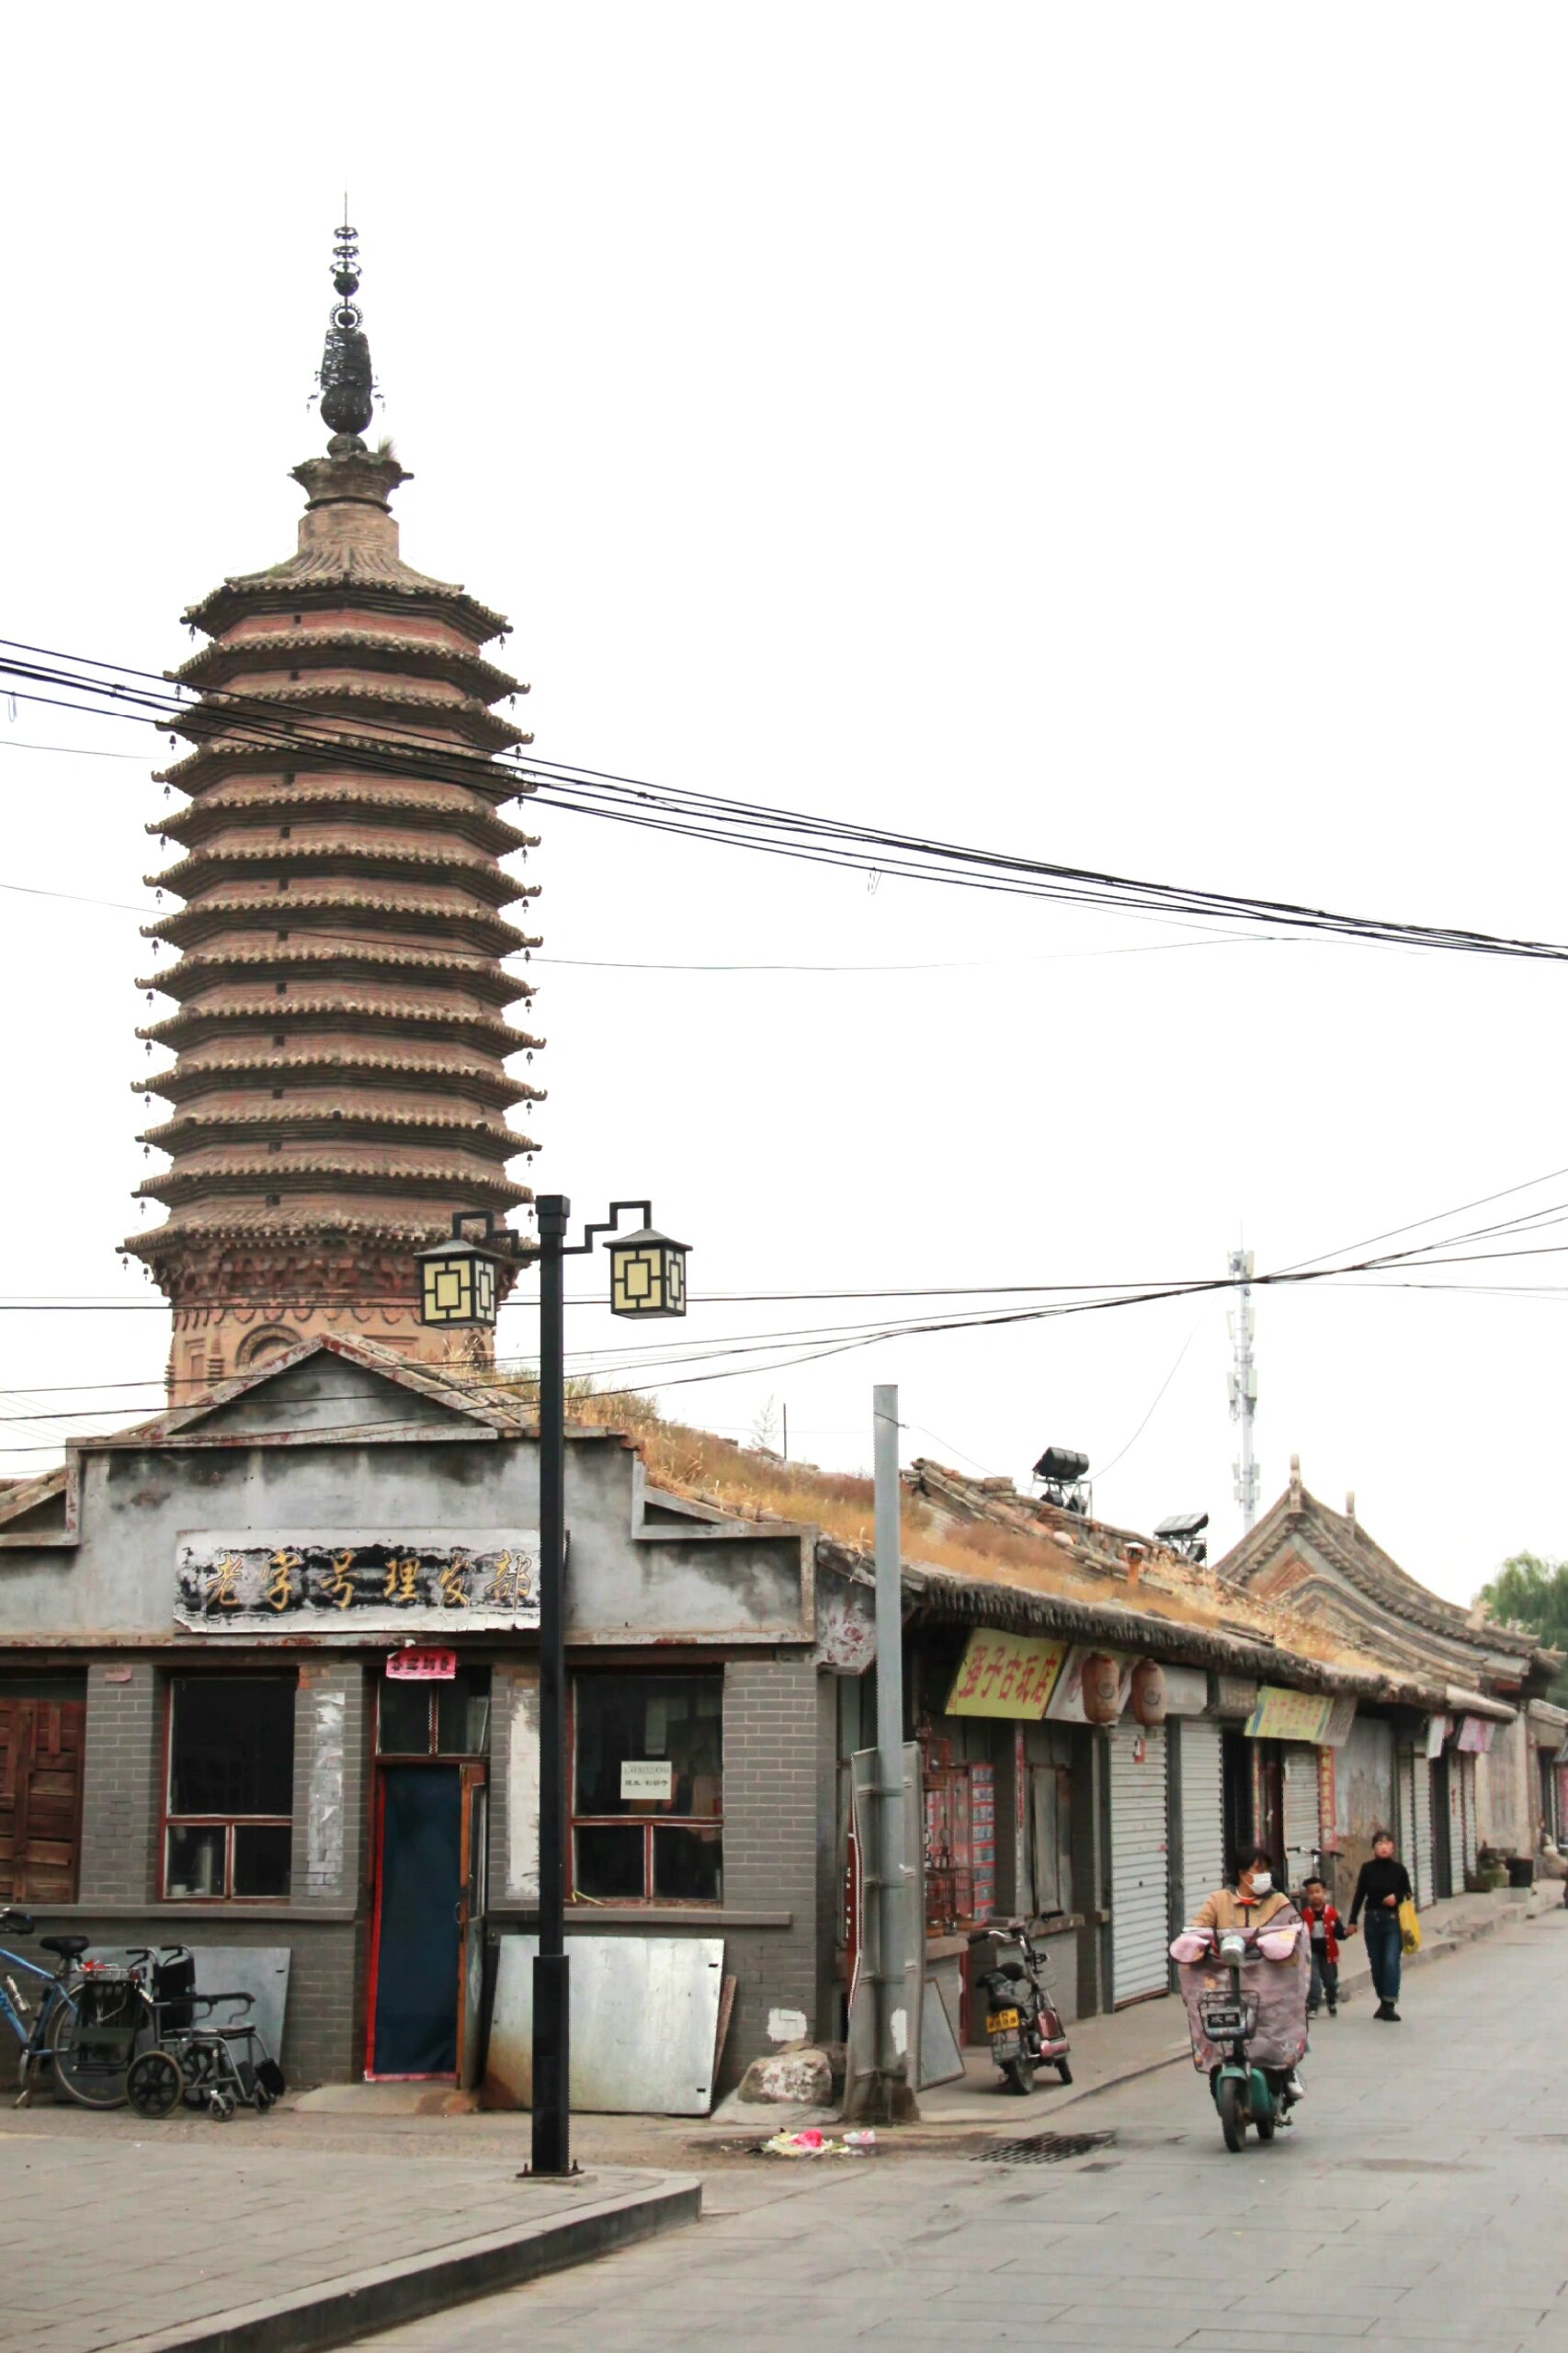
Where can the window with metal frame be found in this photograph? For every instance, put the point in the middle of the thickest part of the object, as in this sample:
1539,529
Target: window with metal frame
647,1787
229,1791
447,1716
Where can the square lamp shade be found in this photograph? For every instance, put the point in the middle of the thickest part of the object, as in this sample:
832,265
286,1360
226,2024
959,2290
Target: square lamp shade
647,1274
457,1283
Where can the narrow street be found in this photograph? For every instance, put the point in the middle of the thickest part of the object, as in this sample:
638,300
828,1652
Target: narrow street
1419,2202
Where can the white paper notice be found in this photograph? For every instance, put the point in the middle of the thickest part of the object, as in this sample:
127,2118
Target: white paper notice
649,1776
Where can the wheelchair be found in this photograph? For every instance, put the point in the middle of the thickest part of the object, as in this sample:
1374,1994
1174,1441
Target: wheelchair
147,2024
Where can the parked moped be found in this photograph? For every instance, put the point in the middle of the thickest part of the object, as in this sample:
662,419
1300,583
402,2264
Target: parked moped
1021,2016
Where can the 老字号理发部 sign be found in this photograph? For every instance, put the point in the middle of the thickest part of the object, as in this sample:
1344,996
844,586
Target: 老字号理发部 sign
342,1581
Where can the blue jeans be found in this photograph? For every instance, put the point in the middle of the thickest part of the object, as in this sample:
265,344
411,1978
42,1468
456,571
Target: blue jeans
1384,1947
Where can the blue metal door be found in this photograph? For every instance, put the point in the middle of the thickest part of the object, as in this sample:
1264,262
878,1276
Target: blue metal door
416,1975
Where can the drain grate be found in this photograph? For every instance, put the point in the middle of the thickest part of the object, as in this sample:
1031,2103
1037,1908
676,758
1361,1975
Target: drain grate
1044,2148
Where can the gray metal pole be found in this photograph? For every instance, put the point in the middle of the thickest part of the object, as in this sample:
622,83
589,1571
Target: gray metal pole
897,2059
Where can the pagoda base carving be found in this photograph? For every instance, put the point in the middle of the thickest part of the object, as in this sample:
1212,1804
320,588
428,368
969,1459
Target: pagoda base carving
236,1308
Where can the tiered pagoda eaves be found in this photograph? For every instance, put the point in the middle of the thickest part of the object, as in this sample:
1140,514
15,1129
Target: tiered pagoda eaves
340,1085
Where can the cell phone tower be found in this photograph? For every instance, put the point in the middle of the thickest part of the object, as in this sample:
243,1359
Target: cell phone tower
1243,1384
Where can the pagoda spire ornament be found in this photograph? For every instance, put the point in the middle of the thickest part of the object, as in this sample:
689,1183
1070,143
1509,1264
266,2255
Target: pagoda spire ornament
347,379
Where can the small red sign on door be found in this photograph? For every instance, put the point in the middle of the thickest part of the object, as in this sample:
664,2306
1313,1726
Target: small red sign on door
417,1665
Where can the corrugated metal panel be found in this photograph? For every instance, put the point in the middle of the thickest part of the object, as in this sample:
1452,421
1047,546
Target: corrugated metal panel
1301,1812
1203,1816
1140,1931
1420,1865
1467,1802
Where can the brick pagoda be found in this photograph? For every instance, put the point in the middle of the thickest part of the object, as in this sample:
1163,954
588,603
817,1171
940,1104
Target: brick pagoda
340,1085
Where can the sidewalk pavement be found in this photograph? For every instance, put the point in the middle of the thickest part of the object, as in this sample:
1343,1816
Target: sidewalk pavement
146,2245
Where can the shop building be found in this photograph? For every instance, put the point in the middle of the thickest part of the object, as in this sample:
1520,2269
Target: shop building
212,1734
1455,1770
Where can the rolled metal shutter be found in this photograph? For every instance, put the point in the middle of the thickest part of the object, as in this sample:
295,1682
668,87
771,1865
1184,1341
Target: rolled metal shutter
1202,1816
1140,1936
1405,1784
1466,1800
1420,1866
1301,1815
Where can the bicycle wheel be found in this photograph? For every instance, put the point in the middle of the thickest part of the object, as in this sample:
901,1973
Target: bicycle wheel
88,2068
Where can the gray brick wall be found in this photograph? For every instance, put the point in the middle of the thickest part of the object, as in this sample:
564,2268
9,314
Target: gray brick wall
324,2028
331,1734
121,1778
770,1845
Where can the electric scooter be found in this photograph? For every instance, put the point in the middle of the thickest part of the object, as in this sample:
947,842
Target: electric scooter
1021,2016
1247,2090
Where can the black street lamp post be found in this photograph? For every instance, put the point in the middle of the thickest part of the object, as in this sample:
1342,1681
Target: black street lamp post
647,1280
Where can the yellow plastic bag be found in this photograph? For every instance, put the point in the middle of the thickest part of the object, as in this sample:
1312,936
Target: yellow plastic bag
1409,1926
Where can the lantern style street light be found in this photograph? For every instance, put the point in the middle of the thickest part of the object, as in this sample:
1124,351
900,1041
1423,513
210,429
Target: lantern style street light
457,1279
647,1280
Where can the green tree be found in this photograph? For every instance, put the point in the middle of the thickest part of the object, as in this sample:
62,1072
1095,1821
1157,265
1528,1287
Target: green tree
1531,1592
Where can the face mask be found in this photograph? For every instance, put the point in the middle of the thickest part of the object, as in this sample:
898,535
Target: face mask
1261,1882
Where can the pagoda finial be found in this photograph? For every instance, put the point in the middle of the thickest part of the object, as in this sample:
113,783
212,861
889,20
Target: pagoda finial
348,383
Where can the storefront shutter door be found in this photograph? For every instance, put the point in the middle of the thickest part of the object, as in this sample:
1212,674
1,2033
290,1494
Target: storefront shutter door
1300,1813
1420,1863
1202,1816
1139,1898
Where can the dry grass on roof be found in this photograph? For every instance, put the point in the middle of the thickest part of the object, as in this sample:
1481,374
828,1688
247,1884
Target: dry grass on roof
751,1484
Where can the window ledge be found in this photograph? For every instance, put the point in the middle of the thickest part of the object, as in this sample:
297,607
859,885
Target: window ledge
652,1917
219,1908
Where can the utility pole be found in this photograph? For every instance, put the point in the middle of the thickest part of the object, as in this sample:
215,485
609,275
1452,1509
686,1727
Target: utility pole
897,2058
1244,1384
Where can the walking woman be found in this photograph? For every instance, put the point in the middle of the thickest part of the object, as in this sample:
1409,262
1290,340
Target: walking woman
1383,1886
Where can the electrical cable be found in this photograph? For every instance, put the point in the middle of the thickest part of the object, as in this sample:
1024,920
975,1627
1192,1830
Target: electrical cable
835,841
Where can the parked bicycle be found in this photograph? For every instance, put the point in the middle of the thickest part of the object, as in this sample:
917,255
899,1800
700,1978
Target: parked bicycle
43,2015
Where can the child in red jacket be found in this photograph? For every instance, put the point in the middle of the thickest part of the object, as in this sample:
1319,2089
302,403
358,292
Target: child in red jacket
1325,1927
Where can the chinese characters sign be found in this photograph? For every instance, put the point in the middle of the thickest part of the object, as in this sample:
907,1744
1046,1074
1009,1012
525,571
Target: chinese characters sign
1005,1675
330,1580
1283,1714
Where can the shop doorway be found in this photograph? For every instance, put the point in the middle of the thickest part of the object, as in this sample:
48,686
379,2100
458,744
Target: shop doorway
428,1915
1442,1841
430,1907
1235,1773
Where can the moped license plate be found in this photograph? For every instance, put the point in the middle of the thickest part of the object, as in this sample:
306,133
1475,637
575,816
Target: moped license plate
1005,2046
1002,2022
1224,2021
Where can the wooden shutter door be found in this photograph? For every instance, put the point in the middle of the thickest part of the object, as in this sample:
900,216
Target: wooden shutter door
40,1799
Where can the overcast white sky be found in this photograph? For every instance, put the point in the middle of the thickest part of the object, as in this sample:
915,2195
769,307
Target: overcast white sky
1131,436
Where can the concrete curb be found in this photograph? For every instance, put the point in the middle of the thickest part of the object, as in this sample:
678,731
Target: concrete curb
336,2311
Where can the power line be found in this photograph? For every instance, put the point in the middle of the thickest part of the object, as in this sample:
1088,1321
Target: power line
789,832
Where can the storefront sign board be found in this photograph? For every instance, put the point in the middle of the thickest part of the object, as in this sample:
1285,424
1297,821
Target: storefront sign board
1011,1676
337,1580
1283,1714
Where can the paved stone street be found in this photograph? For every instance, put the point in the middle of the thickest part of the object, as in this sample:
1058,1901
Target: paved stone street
1420,2203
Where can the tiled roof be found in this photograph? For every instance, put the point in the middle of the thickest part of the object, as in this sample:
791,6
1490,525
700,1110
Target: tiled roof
463,712
478,975
271,1171
289,1227
208,915
228,656
474,870
191,1078
354,1009
218,755
217,809
353,1110
371,571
